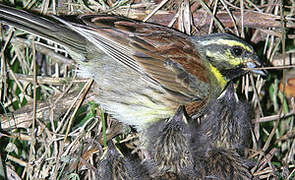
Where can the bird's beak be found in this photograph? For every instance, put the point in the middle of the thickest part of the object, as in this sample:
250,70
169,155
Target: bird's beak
254,64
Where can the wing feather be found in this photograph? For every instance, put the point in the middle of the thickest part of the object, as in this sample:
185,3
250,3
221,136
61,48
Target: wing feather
159,54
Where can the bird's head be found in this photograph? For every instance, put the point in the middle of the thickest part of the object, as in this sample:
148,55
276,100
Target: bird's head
228,55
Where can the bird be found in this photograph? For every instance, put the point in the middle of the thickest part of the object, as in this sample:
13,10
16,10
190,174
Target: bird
223,164
218,143
166,145
115,165
226,123
145,71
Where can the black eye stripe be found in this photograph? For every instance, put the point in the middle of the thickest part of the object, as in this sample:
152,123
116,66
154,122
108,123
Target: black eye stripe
237,50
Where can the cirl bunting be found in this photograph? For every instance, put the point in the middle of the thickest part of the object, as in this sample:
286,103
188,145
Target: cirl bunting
144,71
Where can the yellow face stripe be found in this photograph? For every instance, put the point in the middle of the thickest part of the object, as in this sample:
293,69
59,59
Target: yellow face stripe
233,43
228,43
229,57
233,60
218,76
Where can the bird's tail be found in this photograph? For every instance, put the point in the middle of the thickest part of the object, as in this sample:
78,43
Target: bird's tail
49,29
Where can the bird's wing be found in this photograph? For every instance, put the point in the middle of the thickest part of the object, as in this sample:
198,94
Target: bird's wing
159,54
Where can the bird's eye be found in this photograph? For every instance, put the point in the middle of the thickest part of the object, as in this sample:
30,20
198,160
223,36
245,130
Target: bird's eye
237,50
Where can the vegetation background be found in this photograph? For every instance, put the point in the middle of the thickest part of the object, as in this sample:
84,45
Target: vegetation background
51,127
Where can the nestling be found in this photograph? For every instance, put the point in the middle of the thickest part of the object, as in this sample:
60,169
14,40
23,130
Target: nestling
114,165
167,144
219,142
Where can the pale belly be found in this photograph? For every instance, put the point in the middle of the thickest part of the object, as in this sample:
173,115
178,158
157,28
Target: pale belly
126,96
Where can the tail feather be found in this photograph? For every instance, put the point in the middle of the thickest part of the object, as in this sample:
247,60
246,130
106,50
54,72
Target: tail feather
48,29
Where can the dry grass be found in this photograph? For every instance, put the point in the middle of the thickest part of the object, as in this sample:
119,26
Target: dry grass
50,126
